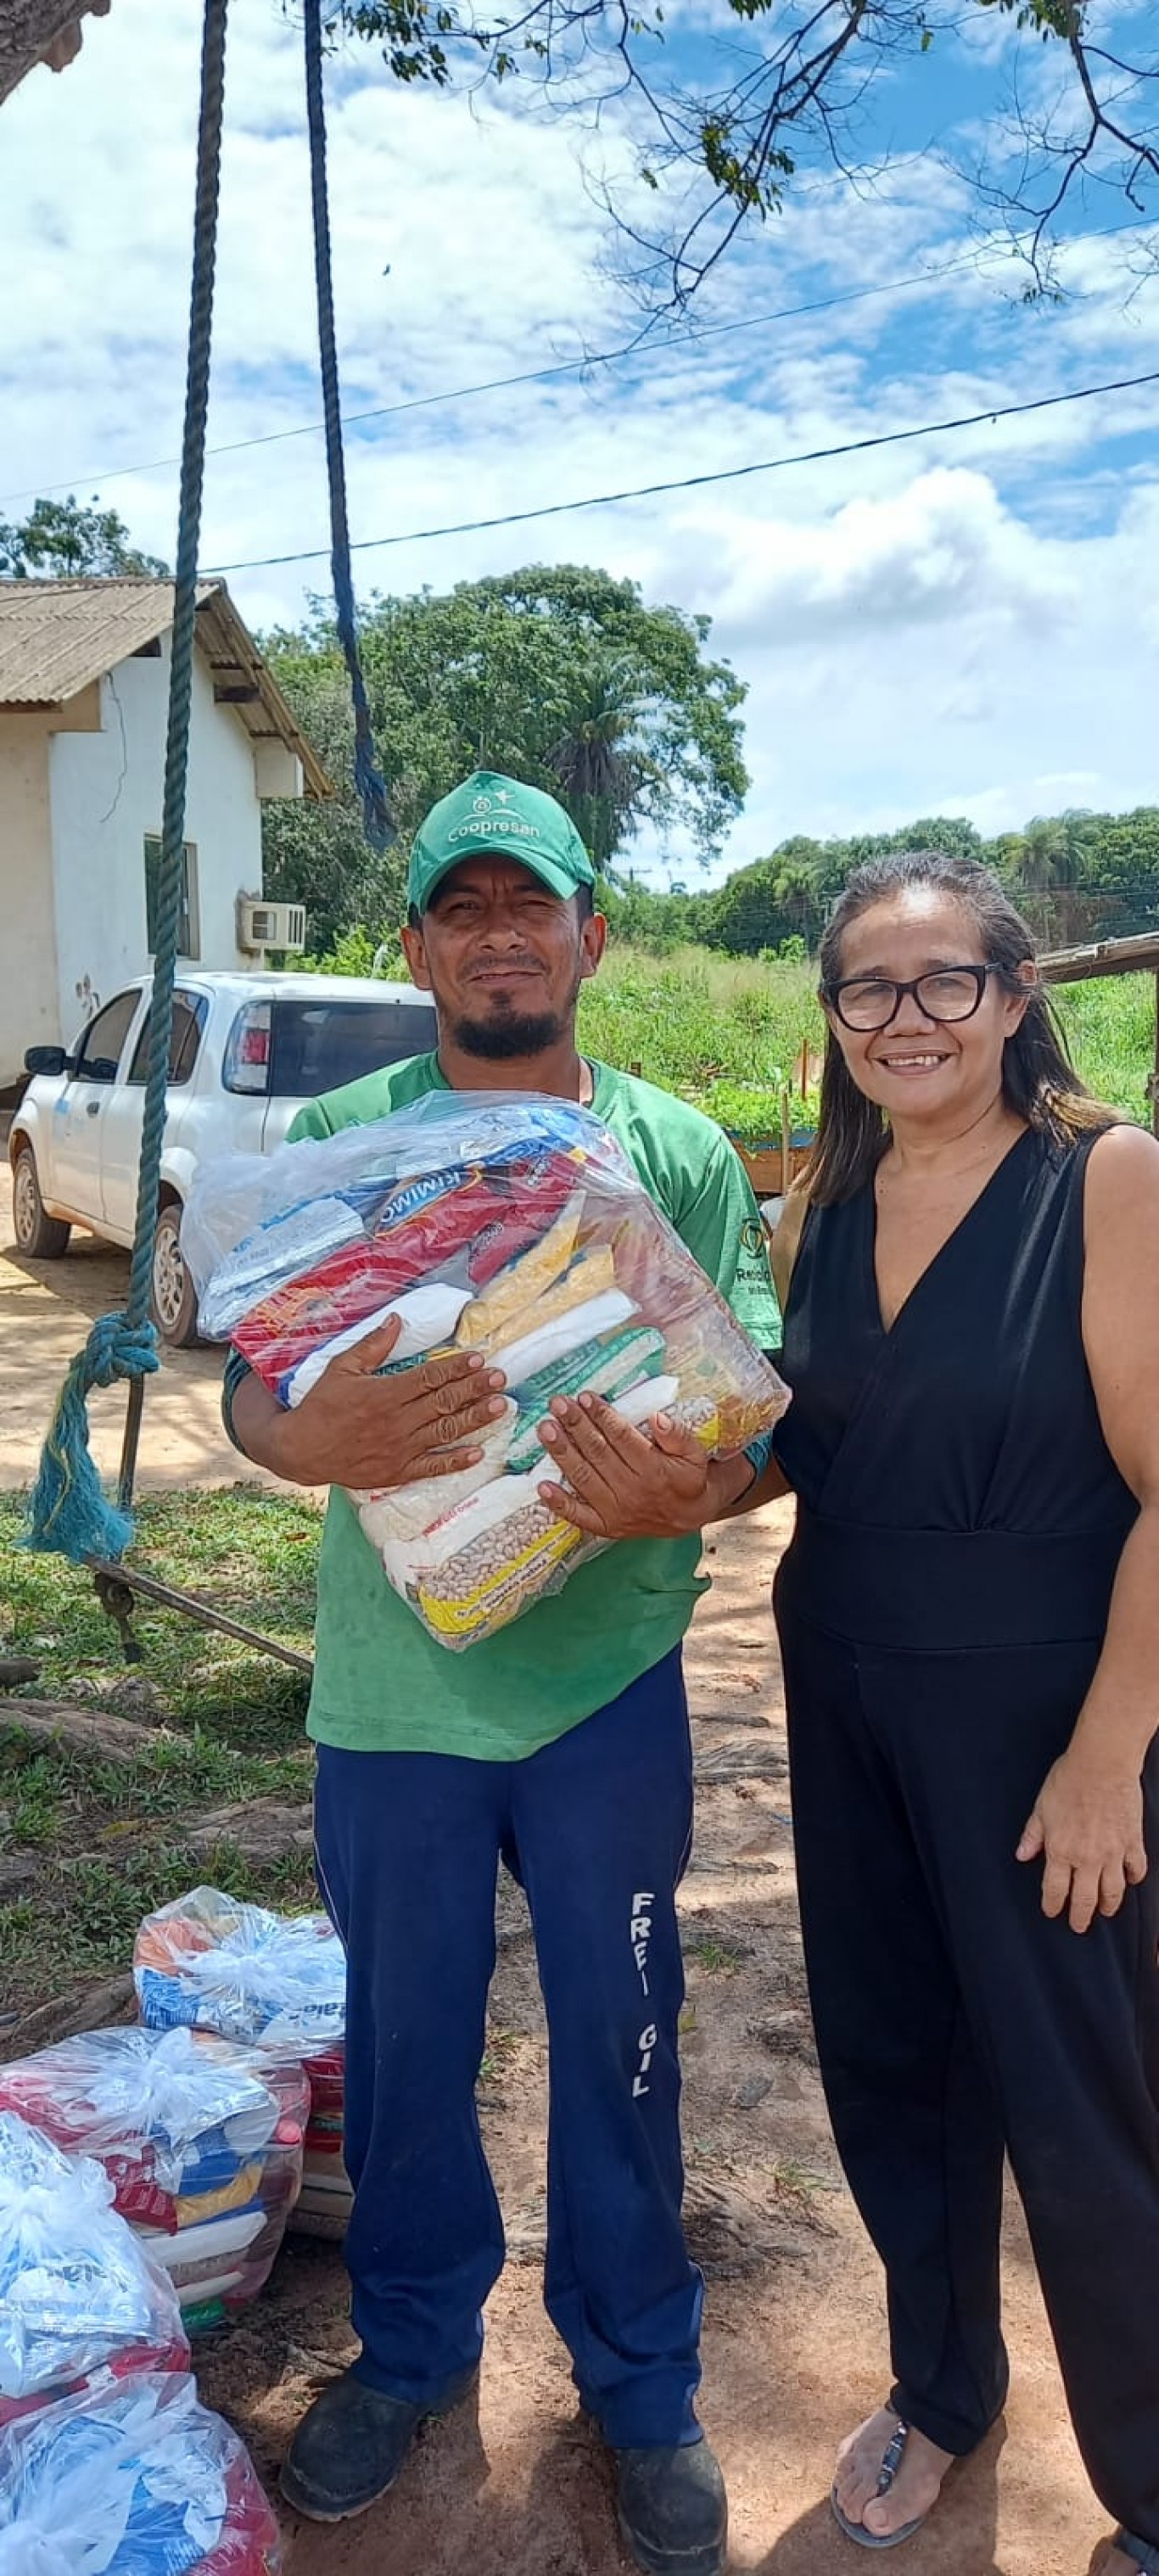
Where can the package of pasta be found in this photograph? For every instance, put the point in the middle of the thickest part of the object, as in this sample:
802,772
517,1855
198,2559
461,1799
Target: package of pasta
201,2140
508,1225
78,2293
132,2478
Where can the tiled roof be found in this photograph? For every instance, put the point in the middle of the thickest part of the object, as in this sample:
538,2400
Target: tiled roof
57,637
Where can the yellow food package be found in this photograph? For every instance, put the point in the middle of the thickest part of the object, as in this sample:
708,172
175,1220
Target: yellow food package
591,1276
529,1277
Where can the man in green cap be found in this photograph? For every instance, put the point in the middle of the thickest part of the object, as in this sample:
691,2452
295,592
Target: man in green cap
560,1744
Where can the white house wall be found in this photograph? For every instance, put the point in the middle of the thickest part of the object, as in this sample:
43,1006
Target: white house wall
28,986
106,793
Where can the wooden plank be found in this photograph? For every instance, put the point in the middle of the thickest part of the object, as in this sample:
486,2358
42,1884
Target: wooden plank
1103,957
1153,1086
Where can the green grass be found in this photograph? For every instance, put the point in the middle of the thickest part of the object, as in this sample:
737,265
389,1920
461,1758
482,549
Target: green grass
249,1553
110,1838
717,1958
1110,1025
726,1032
81,1919
723,1031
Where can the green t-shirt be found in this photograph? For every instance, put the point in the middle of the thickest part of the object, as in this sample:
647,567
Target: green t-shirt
381,1684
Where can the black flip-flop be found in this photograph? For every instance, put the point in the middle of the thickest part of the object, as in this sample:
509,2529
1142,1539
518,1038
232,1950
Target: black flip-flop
892,2459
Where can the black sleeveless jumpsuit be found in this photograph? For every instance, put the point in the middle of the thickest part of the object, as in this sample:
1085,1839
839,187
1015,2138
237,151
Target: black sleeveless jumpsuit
941,1611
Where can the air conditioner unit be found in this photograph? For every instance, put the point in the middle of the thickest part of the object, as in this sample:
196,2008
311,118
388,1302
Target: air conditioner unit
270,925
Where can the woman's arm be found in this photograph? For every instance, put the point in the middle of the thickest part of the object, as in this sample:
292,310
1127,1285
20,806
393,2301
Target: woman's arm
1088,1819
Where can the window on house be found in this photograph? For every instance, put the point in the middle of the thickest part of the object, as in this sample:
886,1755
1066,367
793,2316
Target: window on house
188,925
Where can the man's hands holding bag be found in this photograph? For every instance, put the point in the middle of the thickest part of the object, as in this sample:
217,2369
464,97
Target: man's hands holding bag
358,1429
616,1482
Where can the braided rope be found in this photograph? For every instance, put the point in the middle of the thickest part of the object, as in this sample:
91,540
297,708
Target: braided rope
368,777
69,1512
181,667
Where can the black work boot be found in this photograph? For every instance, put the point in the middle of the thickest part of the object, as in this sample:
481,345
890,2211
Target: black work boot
351,2444
673,2509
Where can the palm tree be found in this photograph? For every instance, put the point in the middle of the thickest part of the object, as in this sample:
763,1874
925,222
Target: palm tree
1047,868
601,763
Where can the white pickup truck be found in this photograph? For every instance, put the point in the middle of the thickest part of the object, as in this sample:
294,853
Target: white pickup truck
246,1050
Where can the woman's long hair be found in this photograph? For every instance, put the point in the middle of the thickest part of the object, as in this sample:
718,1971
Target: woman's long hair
1039,1082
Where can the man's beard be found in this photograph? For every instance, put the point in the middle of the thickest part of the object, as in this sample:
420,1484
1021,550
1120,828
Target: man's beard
507,1034
512,1034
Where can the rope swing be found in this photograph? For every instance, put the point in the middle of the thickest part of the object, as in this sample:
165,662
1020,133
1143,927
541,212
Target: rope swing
69,1512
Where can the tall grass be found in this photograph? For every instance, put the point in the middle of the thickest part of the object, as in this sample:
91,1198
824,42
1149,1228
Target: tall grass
724,1031
727,1032
1110,1028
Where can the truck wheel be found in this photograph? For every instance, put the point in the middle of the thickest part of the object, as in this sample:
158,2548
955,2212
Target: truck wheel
174,1298
39,1236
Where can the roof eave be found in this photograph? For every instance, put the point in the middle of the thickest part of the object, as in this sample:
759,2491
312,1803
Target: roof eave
216,607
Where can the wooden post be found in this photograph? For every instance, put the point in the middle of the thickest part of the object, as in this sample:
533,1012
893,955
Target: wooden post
786,1138
1155,1075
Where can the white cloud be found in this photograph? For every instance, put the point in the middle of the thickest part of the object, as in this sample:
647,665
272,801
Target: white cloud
949,623
943,549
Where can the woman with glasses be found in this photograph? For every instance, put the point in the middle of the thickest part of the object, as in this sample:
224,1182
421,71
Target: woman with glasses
969,1619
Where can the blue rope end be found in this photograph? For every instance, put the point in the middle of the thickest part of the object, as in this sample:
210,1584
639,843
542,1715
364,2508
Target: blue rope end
69,1513
377,822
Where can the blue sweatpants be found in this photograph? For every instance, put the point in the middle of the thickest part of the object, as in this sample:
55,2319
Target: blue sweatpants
597,1827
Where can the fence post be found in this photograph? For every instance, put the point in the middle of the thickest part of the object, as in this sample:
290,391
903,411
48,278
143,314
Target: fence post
1154,1082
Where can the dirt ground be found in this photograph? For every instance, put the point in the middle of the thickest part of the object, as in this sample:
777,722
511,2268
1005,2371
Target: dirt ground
46,1308
794,2347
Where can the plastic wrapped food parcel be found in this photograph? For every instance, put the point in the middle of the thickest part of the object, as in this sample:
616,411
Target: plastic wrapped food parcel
134,2478
506,1224
78,2293
278,1981
200,2139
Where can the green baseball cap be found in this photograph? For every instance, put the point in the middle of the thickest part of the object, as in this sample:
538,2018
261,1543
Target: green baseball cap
493,814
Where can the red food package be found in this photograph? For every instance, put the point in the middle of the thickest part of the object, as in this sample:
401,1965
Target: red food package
427,1230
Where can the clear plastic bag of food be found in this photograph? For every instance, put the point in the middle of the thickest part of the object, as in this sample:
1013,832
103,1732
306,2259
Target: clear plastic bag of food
132,2478
213,1963
210,1962
78,2293
548,1257
200,2139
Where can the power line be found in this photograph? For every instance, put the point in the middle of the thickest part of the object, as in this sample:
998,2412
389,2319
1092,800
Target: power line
505,384
696,482
642,346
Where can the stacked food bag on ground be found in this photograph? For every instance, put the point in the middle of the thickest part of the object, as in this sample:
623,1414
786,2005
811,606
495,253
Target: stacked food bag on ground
133,2478
276,1981
201,2140
78,2293
509,1226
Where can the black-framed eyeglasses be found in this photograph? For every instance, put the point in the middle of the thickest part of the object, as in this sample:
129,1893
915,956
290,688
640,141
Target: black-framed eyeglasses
873,1001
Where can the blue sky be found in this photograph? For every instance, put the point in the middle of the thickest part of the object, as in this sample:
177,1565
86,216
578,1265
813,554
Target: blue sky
967,624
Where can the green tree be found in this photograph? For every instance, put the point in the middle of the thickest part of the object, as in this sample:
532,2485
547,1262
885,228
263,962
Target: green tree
65,538
1080,876
556,674
788,895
